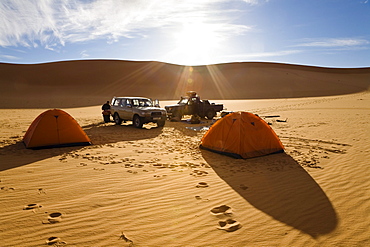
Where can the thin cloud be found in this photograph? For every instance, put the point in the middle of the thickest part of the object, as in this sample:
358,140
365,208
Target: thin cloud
265,54
54,23
84,54
22,23
9,57
335,43
255,2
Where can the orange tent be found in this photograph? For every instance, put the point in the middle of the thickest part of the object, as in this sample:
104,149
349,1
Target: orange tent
242,135
55,128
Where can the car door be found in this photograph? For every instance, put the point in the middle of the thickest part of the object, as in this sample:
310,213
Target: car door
127,109
188,108
135,103
116,106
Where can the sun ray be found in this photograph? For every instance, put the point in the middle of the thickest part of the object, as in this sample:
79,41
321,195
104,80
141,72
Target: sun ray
186,82
224,88
132,79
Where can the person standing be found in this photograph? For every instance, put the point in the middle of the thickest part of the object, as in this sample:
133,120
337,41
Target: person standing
106,112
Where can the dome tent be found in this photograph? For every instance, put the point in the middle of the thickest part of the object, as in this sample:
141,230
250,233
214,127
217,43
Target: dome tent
242,135
55,128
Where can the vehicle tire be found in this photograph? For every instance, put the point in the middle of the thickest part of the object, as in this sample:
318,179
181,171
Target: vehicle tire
117,118
210,114
176,116
137,122
161,123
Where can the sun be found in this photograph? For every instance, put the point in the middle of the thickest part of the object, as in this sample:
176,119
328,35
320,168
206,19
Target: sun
196,44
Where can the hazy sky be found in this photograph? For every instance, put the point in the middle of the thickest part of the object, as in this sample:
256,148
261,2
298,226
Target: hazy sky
329,33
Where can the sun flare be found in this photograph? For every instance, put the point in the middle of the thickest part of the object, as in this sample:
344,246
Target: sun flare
196,44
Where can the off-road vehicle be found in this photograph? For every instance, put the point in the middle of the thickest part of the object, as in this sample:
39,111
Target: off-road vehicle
192,105
139,110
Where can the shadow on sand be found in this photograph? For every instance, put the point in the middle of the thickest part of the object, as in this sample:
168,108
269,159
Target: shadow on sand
101,133
278,186
16,155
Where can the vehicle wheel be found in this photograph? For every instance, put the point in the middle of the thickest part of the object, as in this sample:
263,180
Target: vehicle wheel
176,116
138,123
161,123
211,114
117,119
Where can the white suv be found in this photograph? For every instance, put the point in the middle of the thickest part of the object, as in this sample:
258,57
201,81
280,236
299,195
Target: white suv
139,110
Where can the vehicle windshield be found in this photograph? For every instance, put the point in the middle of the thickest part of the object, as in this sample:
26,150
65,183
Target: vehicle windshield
142,102
183,101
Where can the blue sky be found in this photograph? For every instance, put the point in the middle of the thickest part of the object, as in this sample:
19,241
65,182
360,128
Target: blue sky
328,33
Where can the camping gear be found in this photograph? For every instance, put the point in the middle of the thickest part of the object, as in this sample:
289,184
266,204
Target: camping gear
242,135
55,128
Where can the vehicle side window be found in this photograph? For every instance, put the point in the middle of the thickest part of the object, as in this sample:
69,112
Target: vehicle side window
128,102
116,102
183,101
192,101
135,102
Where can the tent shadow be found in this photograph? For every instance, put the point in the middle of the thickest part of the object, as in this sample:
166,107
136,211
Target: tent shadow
16,155
278,186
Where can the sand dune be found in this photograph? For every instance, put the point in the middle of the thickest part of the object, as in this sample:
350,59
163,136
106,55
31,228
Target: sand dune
91,82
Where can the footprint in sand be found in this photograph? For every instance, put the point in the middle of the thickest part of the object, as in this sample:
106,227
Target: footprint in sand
55,241
159,165
229,225
131,171
223,209
6,188
81,164
202,185
198,173
32,206
99,169
41,191
53,218
200,198
160,176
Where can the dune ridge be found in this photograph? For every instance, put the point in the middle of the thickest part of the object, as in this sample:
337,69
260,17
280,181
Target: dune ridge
92,82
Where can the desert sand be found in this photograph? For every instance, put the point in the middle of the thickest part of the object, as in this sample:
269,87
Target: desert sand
155,187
